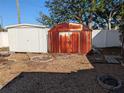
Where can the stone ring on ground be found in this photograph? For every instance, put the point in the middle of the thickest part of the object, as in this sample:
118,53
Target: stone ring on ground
42,58
5,54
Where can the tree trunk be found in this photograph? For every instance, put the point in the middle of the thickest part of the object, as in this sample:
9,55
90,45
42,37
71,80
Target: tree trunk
109,20
90,25
79,19
109,24
90,22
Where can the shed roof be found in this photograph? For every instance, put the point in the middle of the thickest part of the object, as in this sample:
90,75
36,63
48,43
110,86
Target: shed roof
70,27
25,25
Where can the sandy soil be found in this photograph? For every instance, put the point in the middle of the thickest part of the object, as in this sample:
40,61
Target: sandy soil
12,66
21,63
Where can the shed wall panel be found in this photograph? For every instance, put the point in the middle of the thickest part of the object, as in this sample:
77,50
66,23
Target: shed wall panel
28,39
4,39
80,39
12,37
43,39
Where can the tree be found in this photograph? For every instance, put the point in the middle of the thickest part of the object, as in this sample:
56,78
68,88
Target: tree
81,11
60,12
67,11
93,7
46,20
110,11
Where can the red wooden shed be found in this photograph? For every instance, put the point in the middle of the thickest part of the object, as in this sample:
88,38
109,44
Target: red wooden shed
69,38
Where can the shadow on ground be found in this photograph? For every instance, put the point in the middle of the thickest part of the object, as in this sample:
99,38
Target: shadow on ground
46,83
83,81
41,82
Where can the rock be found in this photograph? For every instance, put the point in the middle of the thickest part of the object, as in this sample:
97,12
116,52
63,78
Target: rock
4,54
1,86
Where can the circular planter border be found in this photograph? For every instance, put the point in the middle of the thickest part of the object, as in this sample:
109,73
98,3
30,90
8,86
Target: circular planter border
40,57
5,53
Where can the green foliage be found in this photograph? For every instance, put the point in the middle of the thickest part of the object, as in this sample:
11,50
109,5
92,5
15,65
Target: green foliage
110,12
46,20
66,11
81,11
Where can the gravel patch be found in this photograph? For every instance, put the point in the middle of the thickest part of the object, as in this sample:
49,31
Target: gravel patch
83,81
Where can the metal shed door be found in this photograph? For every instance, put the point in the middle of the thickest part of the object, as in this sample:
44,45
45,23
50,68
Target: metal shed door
28,40
69,42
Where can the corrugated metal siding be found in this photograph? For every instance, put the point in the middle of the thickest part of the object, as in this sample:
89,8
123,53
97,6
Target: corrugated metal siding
69,43
79,40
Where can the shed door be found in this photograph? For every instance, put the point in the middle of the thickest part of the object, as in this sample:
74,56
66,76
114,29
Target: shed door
69,42
27,40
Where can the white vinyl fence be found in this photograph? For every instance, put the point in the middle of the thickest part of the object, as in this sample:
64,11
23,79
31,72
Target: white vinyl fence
100,38
4,39
105,38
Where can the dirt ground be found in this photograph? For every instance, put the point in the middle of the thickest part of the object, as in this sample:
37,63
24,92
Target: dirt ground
13,65
75,73
82,81
111,51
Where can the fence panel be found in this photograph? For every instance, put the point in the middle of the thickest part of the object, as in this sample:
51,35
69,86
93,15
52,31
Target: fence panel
4,39
106,38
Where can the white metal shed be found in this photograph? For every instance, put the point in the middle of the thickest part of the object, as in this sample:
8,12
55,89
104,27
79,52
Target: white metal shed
27,38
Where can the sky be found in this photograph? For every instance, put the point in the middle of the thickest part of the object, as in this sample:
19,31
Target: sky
30,10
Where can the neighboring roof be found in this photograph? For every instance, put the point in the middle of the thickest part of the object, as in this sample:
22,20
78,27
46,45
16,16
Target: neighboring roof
25,25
